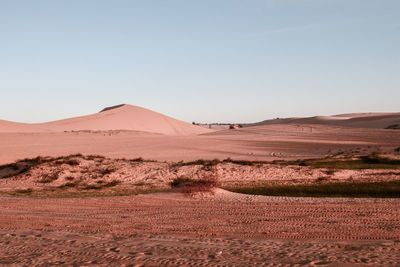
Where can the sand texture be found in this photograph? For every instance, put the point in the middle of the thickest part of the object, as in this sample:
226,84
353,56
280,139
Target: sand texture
170,229
262,142
98,190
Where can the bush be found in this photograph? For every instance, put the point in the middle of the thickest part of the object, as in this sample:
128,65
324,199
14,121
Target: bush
192,186
72,162
106,171
24,191
203,162
50,177
393,127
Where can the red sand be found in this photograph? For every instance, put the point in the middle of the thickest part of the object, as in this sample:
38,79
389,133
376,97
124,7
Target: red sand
357,120
261,142
171,229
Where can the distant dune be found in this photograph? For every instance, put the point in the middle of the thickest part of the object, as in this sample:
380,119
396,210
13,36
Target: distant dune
11,127
121,117
357,120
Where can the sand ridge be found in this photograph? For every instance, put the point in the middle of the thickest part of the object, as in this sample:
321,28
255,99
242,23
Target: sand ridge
356,120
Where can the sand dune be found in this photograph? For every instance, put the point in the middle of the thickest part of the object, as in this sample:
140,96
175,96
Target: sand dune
358,120
121,117
13,127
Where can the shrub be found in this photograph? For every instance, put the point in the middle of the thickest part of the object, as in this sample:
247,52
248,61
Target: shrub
180,181
94,157
112,183
203,162
244,162
321,179
100,185
192,186
137,160
24,191
48,178
393,126
72,162
107,171
69,184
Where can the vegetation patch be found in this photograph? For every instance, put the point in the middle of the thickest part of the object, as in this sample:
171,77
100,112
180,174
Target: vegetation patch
106,171
24,191
362,162
72,162
393,127
22,166
137,160
191,186
214,162
245,162
99,185
50,177
69,192
389,189
202,162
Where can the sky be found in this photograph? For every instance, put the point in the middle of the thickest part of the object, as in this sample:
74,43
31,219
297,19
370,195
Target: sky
203,61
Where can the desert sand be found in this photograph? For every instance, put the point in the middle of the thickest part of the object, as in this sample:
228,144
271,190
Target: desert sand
261,142
357,120
225,230
69,210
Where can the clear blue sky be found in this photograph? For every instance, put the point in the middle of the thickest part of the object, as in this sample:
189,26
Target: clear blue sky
203,61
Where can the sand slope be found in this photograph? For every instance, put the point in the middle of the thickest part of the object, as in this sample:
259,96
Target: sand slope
358,120
13,127
122,117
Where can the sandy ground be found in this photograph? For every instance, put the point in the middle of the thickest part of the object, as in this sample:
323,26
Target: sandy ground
358,120
172,229
262,142
78,171
225,229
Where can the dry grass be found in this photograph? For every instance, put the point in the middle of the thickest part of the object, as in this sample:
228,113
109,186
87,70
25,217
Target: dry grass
214,162
372,161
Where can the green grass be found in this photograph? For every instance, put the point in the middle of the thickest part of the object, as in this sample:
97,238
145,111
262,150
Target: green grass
389,189
360,163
